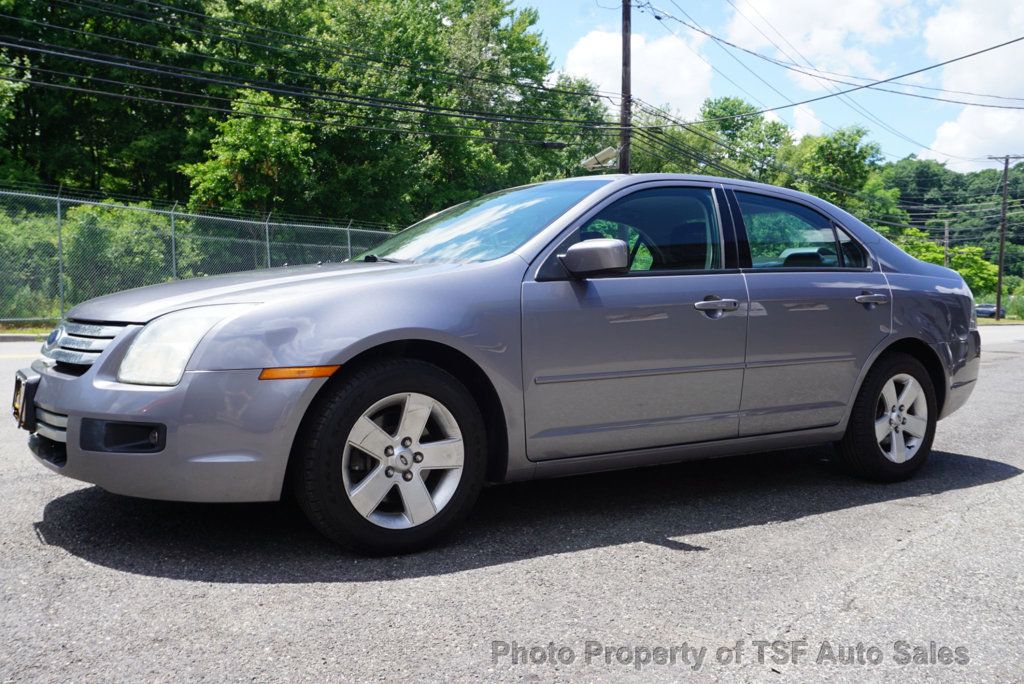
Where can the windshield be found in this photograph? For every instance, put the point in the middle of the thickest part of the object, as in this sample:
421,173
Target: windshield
485,228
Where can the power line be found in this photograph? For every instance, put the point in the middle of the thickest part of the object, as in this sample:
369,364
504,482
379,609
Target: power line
258,84
872,85
348,51
876,218
696,129
863,86
825,72
229,101
713,67
739,151
319,122
845,99
693,153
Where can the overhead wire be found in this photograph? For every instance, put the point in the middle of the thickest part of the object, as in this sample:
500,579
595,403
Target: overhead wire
333,48
297,119
847,100
873,85
201,75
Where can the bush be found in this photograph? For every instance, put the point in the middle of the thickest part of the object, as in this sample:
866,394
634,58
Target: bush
109,249
28,265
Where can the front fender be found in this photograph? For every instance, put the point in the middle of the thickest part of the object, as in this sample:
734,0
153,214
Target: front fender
474,310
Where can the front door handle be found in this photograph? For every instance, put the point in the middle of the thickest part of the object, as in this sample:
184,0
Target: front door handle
716,305
872,298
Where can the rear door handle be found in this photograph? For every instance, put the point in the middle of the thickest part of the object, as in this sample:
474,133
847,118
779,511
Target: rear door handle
872,298
716,305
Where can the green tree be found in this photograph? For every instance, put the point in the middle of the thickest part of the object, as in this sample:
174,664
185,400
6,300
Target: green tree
920,245
14,81
979,274
835,166
28,264
109,248
255,163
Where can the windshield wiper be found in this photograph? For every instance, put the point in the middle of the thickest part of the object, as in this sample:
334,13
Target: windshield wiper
373,258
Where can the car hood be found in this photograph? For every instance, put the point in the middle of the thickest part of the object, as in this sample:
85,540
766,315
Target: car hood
143,304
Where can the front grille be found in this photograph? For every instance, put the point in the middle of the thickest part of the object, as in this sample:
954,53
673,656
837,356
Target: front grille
75,345
70,368
52,425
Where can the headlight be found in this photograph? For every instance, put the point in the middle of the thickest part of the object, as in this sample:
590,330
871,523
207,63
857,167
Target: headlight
158,355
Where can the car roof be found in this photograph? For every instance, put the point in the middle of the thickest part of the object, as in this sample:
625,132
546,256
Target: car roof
628,178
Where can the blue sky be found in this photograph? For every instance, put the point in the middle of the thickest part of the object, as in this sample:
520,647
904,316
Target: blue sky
870,38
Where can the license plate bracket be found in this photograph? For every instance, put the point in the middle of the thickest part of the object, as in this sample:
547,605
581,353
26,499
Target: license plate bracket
23,405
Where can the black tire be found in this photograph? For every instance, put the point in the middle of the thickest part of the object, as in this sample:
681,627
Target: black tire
859,450
316,468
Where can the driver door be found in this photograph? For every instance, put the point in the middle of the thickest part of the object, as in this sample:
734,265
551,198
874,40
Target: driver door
628,361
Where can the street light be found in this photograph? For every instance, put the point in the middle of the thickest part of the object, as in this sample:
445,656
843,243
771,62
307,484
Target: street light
605,159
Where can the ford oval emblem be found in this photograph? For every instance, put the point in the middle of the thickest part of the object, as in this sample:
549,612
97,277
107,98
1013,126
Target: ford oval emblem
53,336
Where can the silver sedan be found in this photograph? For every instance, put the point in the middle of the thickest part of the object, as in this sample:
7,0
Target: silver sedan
564,327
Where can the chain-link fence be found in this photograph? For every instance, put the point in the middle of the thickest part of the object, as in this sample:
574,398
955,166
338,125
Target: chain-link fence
57,251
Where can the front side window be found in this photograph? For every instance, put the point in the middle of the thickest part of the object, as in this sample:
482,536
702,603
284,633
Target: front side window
666,229
488,227
784,234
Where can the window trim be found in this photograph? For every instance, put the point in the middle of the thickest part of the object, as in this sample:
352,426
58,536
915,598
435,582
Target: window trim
743,242
548,258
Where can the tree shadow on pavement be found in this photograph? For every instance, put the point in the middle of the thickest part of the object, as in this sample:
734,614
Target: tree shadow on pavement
272,543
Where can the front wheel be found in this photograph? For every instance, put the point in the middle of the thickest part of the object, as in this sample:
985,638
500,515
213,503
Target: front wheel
393,458
892,423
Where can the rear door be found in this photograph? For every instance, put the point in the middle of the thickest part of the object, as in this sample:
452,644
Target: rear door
818,307
649,358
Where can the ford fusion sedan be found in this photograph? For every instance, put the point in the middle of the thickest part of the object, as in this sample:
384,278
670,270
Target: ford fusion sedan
988,311
565,327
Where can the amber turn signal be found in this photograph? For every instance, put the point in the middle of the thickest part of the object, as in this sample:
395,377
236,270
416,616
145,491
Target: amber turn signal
298,372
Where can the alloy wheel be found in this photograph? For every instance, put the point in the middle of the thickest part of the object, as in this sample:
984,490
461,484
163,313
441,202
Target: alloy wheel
403,460
901,418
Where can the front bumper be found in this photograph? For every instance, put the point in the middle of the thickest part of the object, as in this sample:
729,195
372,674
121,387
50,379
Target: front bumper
227,434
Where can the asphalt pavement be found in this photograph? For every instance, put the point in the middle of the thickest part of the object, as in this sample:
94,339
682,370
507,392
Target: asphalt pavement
721,570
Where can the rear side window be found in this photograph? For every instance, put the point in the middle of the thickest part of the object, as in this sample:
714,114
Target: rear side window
853,254
784,234
665,229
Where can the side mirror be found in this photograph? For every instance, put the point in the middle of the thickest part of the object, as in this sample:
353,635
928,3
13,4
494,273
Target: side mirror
602,256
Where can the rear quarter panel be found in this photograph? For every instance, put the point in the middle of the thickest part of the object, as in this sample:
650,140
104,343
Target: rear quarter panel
938,311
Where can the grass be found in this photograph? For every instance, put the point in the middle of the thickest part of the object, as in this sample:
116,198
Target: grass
1002,321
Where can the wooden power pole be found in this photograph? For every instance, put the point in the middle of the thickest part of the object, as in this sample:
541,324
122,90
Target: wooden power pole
945,243
625,113
1002,231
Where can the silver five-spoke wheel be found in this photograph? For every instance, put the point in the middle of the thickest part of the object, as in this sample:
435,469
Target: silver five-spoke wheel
901,418
403,460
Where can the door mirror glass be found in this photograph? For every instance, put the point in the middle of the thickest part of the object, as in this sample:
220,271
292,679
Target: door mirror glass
603,256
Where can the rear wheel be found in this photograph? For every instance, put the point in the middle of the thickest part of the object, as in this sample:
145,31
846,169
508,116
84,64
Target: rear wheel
892,423
393,458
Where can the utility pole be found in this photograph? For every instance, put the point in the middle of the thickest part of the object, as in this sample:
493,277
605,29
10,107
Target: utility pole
1002,230
945,242
625,113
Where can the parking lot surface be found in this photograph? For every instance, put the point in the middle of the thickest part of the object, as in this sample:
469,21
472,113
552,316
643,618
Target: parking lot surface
584,578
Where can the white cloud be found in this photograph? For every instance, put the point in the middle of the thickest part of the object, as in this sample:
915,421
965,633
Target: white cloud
976,133
958,28
836,36
665,70
805,122
961,27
